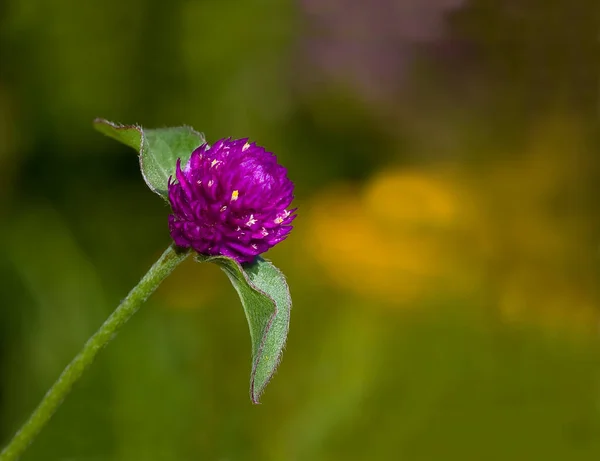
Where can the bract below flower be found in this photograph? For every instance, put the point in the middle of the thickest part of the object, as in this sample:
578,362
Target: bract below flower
231,199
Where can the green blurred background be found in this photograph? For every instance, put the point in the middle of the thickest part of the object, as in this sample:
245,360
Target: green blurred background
444,266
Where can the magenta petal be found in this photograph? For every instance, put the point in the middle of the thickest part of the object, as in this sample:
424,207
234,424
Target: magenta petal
231,199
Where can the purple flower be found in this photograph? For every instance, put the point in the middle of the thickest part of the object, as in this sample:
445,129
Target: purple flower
231,199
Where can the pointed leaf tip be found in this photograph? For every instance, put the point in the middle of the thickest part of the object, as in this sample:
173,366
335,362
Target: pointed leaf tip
266,300
158,149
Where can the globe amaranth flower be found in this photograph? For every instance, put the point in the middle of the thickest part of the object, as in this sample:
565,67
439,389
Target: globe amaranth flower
231,199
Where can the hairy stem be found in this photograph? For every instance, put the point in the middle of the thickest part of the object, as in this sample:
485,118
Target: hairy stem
61,388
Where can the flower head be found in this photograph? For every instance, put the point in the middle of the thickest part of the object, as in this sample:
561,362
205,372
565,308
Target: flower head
231,199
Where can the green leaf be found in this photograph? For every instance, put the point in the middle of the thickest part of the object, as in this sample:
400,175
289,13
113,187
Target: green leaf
158,149
266,300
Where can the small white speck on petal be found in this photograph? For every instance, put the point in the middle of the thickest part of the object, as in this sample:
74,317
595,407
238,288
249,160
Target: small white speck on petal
281,217
251,221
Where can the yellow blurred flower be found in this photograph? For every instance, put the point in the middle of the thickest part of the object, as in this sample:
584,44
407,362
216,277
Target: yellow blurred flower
392,241
512,226
411,198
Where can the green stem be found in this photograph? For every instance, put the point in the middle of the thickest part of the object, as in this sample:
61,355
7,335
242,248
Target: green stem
61,388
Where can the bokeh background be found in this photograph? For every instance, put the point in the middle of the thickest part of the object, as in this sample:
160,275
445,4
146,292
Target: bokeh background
444,266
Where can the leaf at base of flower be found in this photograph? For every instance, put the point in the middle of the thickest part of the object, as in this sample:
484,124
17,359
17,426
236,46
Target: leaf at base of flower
266,300
158,149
